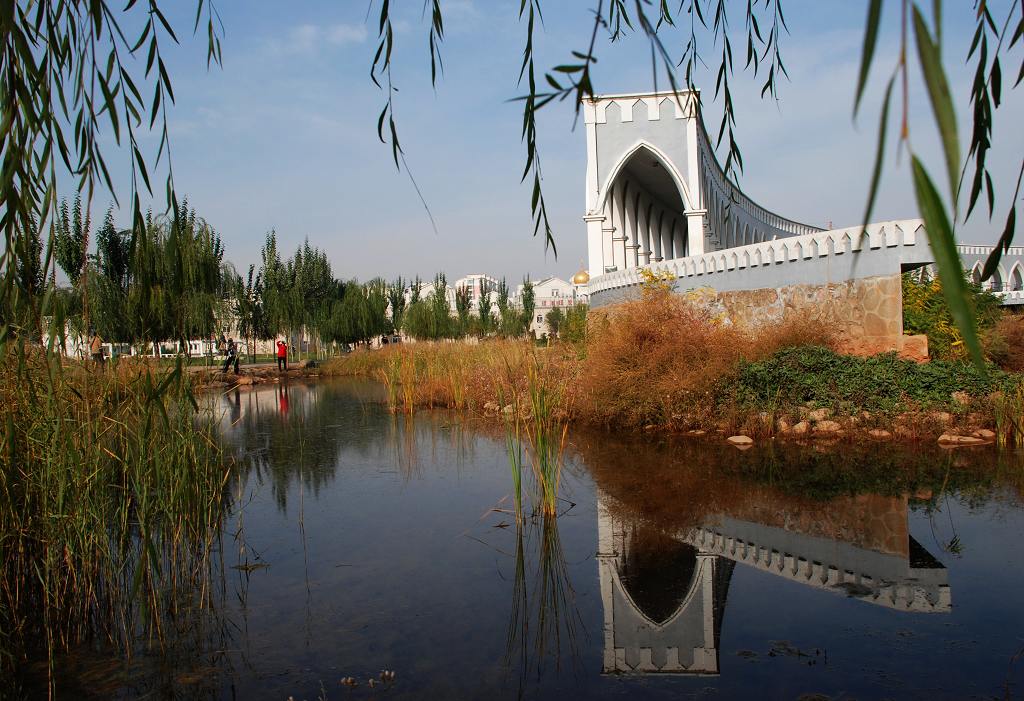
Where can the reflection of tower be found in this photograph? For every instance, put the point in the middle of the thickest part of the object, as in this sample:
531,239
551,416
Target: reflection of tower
663,600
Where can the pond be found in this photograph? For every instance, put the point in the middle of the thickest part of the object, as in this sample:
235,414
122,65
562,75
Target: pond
358,542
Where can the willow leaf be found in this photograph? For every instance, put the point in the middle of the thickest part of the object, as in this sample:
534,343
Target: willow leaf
942,103
868,52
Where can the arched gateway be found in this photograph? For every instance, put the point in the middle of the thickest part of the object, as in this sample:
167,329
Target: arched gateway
655,191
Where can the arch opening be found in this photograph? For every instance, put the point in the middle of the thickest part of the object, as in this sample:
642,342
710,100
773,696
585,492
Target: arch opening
655,197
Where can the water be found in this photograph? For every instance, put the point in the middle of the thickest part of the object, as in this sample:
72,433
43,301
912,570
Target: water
360,542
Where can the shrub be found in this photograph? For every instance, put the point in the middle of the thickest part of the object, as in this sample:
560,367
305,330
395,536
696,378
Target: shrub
1004,343
884,382
925,312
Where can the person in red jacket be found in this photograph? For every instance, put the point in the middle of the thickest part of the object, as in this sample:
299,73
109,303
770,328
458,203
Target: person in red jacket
282,355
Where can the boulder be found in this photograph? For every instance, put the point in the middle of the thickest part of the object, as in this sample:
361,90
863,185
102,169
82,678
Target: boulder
827,427
880,434
819,414
740,440
800,429
961,398
985,434
940,417
914,348
783,426
953,440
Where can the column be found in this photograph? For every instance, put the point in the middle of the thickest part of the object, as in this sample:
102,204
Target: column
695,231
595,243
630,232
643,230
608,235
619,221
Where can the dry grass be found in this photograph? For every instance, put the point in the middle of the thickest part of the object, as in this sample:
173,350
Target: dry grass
656,360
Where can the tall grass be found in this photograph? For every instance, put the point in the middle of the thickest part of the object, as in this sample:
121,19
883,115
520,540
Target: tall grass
110,498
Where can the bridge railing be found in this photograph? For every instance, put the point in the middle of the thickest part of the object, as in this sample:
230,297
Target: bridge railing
781,251
737,198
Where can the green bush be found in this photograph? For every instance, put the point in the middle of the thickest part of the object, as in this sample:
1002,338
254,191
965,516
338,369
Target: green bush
883,383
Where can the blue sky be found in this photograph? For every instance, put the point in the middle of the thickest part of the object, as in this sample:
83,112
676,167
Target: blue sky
284,135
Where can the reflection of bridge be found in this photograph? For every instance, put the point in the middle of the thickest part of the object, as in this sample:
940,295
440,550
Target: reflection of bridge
665,594
657,198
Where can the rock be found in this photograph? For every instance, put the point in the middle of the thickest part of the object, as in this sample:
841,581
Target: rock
783,426
940,417
801,428
827,427
879,434
953,440
306,364
696,432
961,398
819,414
492,407
914,348
984,434
244,380
740,440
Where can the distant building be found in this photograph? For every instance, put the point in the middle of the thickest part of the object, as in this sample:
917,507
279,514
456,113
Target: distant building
551,293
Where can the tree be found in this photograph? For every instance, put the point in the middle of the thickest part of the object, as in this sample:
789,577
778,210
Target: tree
440,311
485,314
528,300
71,240
396,302
554,319
463,303
506,313
248,309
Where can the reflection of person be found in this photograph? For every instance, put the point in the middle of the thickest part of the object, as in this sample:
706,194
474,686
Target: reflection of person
283,400
232,356
282,355
236,407
96,348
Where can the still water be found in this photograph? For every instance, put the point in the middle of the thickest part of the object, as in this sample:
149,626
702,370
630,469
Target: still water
360,542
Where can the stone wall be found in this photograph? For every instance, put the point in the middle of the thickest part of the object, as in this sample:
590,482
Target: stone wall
866,314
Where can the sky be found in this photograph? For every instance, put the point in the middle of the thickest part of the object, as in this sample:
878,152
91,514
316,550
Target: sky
283,135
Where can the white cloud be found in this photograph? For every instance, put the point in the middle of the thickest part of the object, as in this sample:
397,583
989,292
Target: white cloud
310,38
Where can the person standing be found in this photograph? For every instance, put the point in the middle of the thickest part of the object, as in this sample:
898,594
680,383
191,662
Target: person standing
232,353
282,355
96,348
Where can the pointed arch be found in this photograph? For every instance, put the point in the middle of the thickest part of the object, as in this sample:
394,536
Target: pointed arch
666,163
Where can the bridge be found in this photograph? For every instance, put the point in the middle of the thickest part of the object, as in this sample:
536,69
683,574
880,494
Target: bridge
657,199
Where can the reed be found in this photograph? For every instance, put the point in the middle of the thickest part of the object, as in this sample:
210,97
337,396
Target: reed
111,494
545,432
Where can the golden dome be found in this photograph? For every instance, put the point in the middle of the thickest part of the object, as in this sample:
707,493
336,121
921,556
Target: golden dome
581,278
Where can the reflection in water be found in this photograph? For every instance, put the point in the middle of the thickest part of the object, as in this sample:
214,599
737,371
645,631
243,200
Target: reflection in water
544,620
344,554
665,573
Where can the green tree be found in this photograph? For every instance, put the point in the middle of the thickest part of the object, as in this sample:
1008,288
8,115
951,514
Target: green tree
528,302
440,311
555,318
463,304
396,302
248,310
485,314
71,240
507,317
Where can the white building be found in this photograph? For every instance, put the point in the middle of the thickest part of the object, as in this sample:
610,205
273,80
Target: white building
551,293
